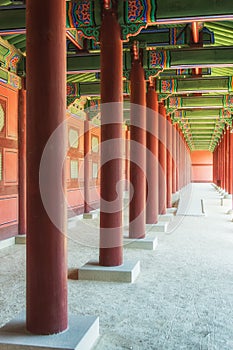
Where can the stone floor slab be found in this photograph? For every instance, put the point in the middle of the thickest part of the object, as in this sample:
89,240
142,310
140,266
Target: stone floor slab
7,242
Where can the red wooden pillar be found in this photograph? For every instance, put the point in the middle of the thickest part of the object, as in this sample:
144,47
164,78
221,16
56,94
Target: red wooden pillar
215,162
137,151
215,165
169,162
111,251
162,159
177,158
224,159
219,164
46,110
22,160
181,172
189,164
86,165
184,161
186,164
230,163
152,157
227,137
180,160
127,140
174,132
222,162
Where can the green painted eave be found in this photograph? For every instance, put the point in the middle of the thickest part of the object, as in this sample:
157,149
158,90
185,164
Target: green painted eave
12,19
201,102
205,113
195,85
222,71
175,59
201,57
84,77
93,88
188,9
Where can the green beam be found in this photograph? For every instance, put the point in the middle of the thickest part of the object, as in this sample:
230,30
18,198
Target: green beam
12,19
160,11
17,39
204,134
178,59
202,122
83,64
194,102
205,113
197,85
202,57
93,89
180,9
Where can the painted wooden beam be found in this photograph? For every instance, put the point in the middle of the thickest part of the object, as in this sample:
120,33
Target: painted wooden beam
193,102
159,12
197,114
179,11
158,60
222,85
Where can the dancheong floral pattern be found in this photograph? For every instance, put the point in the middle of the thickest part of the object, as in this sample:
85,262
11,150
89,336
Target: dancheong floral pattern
139,11
83,12
159,59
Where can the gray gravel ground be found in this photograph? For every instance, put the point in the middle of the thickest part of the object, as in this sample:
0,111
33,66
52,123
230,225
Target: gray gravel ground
182,299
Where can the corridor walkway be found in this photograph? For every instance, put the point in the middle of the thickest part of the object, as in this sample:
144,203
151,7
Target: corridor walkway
183,298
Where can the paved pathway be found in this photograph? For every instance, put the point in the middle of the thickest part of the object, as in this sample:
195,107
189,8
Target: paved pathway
183,298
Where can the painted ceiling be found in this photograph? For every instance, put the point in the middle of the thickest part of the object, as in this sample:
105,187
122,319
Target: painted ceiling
201,99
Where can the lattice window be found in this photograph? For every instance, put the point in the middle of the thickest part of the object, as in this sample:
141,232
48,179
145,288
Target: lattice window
94,170
73,138
74,169
1,166
2,118
95,144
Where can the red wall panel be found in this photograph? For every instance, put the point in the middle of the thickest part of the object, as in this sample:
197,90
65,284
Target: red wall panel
8,210
75,187
202,166
9,150
10,166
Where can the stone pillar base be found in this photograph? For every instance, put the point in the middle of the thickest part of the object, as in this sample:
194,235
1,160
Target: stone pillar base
166,217
148,243
91,215
127,272
228,196
20,239
82,334
172,210
159,227
230,211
